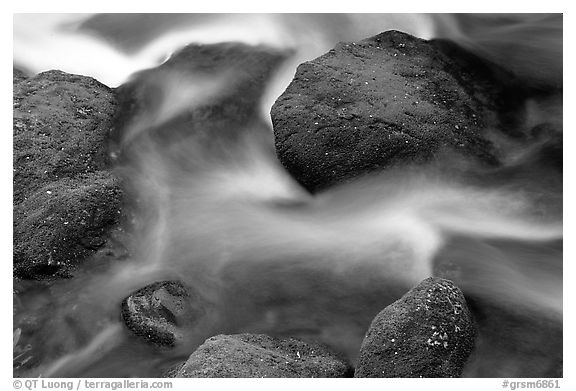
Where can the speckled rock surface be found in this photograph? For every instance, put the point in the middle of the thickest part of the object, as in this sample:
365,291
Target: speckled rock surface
387,100
65,196
159,312
253,355
429,332
63,222
18,75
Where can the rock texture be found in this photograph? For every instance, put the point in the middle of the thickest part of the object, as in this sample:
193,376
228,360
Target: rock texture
18,75
65,197
429,332
387,100
159,312
205,91
251,356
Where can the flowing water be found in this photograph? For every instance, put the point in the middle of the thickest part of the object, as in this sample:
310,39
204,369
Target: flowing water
213,207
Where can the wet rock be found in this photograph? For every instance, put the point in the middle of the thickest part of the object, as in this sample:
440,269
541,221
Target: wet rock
64,222
61,126
429,332
65,196
201,91
161,311
252,355
387,100
18,75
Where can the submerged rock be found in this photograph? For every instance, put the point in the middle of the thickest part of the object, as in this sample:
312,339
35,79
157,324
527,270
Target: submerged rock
429,332
195,112
202,92
66,199
252,355
387,100
161,311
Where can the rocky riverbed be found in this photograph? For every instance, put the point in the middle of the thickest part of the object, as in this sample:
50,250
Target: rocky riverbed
386,102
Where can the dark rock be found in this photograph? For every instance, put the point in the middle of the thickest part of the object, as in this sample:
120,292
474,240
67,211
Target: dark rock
160,311
429,332
387,100
251,356
61,127
18,75
65,196
63,222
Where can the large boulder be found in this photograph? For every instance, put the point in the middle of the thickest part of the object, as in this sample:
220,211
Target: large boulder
429,332
159,312
66,199
387,100
256,355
